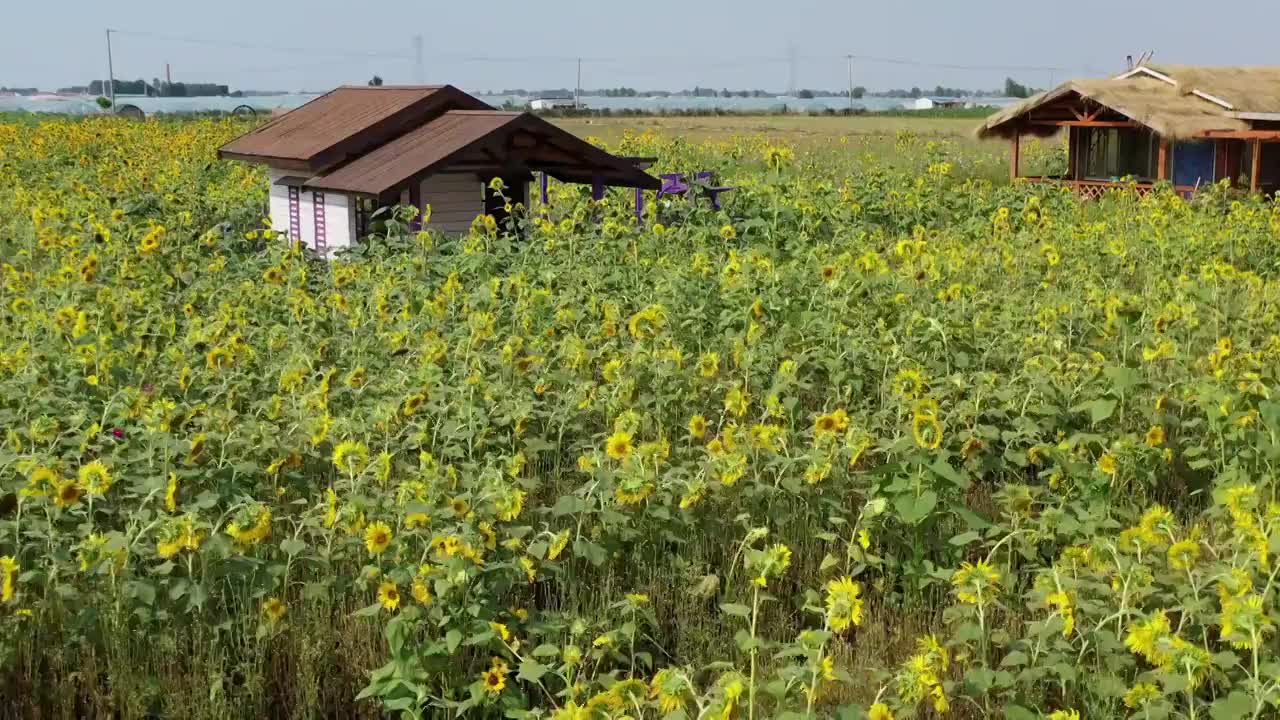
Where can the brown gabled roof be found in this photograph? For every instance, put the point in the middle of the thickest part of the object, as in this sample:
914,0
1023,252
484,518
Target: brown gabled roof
480,137
344,123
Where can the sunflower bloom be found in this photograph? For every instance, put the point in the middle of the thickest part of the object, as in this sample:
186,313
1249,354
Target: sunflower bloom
619,445
389,595
351,457
377,538
95,478
274,609
8,578
844,603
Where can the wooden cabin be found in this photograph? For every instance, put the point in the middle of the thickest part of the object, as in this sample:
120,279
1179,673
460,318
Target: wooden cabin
1185,124
336,160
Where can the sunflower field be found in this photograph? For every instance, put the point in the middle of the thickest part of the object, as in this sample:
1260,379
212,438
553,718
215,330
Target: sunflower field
880,439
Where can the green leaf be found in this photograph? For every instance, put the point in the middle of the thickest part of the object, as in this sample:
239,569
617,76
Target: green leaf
736,609
965,538
1017,712
292,546
146,592
546,650
594,554
452,640
912,509
980,679
1098,410
943,469
369,610
532,670
1014,659
1235,705
568,505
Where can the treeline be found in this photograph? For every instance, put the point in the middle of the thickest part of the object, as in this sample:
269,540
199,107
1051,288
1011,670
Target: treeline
1011,88
783,109
159,88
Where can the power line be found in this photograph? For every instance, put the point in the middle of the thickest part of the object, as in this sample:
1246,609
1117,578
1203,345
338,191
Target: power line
259,46
704,60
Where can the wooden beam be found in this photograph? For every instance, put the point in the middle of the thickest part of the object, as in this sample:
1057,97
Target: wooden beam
1014,157
1255,169
1087,123
1266,135
1162,166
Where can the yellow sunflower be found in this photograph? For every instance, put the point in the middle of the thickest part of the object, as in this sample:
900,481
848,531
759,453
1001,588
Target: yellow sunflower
389,595
619,445
274,609
95,478
377,538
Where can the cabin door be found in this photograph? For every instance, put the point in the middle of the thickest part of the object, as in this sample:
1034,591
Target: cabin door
515,192
1193,163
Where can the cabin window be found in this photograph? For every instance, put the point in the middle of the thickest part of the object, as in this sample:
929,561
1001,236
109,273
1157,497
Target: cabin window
363,207
1113,153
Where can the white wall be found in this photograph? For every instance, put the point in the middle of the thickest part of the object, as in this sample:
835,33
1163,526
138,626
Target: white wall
338,219
279,201
455,201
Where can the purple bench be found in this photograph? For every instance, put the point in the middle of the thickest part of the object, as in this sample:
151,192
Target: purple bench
675,184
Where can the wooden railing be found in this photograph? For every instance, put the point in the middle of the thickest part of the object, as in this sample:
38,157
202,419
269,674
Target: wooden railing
1094,189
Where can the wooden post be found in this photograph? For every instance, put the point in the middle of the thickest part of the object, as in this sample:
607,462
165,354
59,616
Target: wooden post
1162,167
1016,151
1255,168
1073,149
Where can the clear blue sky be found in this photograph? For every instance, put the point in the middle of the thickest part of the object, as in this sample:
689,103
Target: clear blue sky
492,44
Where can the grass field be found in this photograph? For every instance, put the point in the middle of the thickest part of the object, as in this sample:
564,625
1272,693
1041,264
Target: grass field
885,437
784,128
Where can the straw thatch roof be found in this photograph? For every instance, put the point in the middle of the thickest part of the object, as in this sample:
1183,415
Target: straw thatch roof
1173,110
1248,88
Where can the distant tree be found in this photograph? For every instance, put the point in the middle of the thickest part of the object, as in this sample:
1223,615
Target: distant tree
376,81
916,92
1015,89
805,94
858,92
103,102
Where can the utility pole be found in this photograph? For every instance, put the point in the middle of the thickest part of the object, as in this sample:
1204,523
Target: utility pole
111,74
419,76
577,88
850,59
792,57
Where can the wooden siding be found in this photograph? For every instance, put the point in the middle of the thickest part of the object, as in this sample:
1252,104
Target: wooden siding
455,199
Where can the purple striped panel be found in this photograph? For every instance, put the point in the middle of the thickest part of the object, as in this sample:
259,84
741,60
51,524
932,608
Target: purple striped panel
317,204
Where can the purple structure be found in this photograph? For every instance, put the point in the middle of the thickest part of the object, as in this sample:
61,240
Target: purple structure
675,184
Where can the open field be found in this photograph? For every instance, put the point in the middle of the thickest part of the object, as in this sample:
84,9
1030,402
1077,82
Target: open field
885,437
784,128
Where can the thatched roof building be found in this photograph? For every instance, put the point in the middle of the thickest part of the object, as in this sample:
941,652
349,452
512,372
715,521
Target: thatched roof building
1189,124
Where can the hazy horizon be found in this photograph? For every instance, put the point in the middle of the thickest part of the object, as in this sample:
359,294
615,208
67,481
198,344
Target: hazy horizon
738,45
